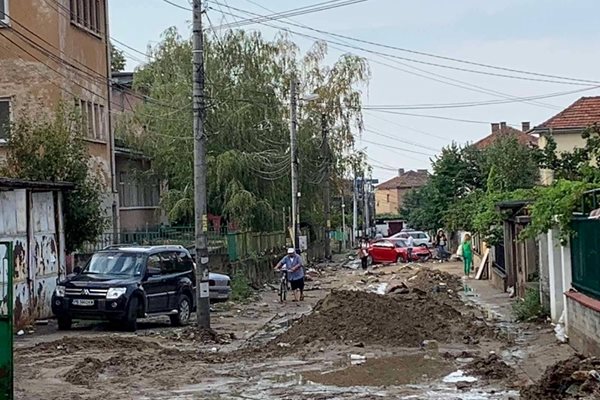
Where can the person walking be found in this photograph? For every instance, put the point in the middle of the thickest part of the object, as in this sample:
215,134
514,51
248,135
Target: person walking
467,255
292,263
363,253
440,244
410,242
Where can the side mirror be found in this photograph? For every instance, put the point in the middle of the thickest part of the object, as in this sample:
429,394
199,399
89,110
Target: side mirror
77,270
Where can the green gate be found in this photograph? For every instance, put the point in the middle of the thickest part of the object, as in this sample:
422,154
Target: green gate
6,321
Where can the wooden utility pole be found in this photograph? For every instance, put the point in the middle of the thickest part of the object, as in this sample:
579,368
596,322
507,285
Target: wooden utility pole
200,208
294,161
327,185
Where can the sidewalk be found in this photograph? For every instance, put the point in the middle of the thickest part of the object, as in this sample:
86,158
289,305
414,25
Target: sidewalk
535,346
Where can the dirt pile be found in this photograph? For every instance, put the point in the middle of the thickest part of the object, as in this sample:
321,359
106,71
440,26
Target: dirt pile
407,320
430,280
574,378
96,343
490,368
84,372
193,334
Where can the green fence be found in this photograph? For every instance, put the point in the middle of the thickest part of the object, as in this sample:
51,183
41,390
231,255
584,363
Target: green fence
6,321
243,244
585,256
236,245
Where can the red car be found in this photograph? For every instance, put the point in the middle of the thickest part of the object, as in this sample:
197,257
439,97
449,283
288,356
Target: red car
396,250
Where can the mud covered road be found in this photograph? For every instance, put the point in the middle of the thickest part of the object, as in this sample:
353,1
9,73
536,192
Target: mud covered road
397,332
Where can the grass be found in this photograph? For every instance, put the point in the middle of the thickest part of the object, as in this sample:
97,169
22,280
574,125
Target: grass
241,291
530,307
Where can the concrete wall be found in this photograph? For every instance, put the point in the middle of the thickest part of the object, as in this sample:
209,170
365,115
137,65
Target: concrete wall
584,324
70,64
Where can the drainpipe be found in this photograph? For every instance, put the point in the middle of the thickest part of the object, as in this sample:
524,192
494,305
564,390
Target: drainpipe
111,135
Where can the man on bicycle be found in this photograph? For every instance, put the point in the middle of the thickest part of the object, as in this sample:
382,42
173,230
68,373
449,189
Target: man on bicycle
292,263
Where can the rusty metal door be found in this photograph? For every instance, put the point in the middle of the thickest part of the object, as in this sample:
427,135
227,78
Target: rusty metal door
6,321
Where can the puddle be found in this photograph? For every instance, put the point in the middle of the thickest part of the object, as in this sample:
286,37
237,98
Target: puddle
385,372
458,376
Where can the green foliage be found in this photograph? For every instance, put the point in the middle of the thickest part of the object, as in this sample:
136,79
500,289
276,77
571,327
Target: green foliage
247,124
117,59
530,307
240,289
52,149
554,206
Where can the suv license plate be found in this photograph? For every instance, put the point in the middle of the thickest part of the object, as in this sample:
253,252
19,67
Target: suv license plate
83,302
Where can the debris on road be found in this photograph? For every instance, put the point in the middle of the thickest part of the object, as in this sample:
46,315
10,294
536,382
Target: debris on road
490,368
574,378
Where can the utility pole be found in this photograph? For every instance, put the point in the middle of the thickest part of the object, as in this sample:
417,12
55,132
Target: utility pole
366,190
327,186
343,222
354,208
294,161
201,220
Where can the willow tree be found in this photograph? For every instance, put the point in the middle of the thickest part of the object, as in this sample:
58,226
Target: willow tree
247,120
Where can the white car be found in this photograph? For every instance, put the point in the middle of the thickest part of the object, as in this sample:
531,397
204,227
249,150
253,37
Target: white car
420,238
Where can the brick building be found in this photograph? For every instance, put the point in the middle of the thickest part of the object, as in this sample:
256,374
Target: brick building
54,51
389,195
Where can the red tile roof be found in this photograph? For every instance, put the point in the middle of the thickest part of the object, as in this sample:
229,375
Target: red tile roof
409,179
523,138
581,114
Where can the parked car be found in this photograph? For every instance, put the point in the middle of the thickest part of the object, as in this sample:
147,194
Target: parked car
124,283
420,238
396,250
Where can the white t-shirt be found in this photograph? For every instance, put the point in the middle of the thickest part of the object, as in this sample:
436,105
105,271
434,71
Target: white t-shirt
410,241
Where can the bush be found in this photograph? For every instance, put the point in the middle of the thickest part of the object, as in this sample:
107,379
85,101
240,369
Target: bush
530,307
240,288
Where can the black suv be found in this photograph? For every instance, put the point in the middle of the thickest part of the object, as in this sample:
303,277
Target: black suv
124,283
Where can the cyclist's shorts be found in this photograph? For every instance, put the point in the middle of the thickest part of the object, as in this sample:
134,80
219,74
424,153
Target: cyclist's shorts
297,284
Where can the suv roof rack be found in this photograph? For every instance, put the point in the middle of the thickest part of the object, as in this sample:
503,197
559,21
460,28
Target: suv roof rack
146,247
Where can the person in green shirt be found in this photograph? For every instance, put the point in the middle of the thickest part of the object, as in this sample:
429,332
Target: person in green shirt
467,254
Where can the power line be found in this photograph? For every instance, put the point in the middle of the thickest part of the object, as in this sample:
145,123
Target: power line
571,81
388,146
323,6
177,5
434,117
397,139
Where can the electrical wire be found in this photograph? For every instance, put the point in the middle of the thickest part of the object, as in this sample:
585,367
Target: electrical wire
564,81
400,140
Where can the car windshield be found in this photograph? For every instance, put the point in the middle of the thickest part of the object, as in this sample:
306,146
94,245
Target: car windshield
115,263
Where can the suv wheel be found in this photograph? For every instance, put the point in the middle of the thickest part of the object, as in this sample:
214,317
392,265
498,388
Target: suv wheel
184,311
64,323
130,323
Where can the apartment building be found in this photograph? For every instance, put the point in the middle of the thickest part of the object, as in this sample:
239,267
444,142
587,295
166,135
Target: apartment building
54,51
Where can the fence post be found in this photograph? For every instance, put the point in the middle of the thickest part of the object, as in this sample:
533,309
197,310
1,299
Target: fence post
232,247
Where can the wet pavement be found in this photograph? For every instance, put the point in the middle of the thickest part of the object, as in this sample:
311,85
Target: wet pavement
160,362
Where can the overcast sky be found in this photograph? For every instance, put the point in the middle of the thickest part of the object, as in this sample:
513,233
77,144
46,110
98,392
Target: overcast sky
557,37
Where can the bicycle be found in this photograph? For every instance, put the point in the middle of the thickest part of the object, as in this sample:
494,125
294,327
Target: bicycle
283,285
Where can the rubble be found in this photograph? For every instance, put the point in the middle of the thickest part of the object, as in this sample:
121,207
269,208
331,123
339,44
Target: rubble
490,368
574,378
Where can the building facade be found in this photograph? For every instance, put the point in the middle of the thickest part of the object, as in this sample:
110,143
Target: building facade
389,195
53,52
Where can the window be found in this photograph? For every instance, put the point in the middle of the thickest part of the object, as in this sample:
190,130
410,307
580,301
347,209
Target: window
4,116
87,14
168,262
184,262
387,198
3,12
93,118
138,192
154,263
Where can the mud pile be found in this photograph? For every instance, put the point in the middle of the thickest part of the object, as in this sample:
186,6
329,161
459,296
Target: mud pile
193,334
574,378
407,320
490,368
97,343
430,280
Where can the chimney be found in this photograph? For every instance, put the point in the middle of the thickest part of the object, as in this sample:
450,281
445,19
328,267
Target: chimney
502,126
525,126
495,127
400,171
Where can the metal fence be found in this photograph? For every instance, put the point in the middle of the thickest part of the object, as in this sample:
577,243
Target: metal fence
585,256
236,245
6,320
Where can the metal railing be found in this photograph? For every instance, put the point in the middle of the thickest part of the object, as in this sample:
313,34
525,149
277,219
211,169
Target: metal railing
585,256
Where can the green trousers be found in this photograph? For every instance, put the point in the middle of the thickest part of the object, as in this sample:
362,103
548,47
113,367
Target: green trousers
468,263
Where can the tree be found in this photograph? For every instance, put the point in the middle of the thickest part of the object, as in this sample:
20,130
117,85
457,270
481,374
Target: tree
51,148
117,59
247,123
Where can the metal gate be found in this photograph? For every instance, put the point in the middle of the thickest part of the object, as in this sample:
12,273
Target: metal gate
6,321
